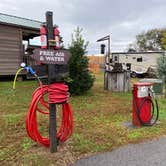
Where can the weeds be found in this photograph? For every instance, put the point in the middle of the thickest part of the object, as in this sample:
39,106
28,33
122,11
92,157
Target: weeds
98,125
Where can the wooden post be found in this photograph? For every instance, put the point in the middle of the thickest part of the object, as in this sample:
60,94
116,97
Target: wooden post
109,52
105,80
52,107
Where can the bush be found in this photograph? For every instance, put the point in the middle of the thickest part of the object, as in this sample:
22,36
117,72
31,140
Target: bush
161,69
82,79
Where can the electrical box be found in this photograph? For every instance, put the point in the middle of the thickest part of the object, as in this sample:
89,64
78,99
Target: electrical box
143,91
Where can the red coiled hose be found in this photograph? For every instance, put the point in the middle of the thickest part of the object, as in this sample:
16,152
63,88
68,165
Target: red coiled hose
57,93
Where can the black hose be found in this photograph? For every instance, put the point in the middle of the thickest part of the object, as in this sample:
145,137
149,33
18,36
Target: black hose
152,120
38,79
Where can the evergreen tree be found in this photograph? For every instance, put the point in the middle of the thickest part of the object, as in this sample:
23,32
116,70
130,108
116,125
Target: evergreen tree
81,78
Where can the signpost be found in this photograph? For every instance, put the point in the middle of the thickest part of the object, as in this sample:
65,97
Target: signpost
52,106
56,61
51,56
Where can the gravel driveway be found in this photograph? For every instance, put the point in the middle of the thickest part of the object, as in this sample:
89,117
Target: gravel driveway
152,153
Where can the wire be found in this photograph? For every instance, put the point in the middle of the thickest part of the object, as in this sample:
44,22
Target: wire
58,93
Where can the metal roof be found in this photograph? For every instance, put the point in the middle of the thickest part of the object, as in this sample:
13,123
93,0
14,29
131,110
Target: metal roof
19,21
141,52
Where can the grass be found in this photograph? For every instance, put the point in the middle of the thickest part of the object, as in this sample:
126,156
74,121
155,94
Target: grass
99,118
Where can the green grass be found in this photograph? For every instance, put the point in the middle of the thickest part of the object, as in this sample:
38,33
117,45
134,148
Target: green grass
98,125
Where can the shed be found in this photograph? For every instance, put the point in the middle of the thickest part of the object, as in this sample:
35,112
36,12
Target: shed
13,31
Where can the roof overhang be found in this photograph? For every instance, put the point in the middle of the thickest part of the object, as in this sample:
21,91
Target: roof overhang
27,32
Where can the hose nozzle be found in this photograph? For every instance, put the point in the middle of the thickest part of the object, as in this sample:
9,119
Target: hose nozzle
28,68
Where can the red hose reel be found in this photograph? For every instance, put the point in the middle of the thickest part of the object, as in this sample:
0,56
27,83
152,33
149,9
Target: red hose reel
57,93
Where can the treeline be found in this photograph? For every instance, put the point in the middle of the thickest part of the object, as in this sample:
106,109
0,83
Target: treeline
151,40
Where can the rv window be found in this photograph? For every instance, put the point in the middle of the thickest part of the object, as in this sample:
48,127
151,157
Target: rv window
134,57
115,58
139,59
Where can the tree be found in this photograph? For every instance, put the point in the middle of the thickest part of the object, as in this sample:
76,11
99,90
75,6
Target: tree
131,49
163,40
152,40
82,79
161,69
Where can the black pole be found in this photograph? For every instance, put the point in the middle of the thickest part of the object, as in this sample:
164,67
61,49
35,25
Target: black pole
108,57
106,73
109,52
52,107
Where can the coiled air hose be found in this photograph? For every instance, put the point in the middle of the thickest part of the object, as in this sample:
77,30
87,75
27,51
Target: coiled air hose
154,103
57,93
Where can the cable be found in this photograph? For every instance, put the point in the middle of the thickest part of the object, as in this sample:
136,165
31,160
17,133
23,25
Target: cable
15,78
58,93
152,120
28,69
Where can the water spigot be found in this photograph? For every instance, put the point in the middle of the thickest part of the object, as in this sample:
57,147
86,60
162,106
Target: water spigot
28,68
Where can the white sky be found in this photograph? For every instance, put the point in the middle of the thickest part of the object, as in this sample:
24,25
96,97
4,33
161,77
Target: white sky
123,19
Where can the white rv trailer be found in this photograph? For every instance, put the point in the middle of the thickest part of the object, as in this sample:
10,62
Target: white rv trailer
138,62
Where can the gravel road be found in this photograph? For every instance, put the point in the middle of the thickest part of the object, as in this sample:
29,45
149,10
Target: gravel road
152,153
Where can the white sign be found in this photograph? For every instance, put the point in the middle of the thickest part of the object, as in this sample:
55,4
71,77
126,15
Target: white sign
51,56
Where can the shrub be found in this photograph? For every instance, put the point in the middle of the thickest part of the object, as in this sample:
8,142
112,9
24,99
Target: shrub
82,79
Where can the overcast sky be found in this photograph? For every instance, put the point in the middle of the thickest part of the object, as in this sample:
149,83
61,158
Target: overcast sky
123,19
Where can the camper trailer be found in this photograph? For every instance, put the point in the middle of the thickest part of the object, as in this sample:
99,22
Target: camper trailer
139,63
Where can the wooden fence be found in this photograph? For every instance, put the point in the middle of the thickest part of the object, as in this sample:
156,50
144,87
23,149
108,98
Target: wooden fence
96,63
